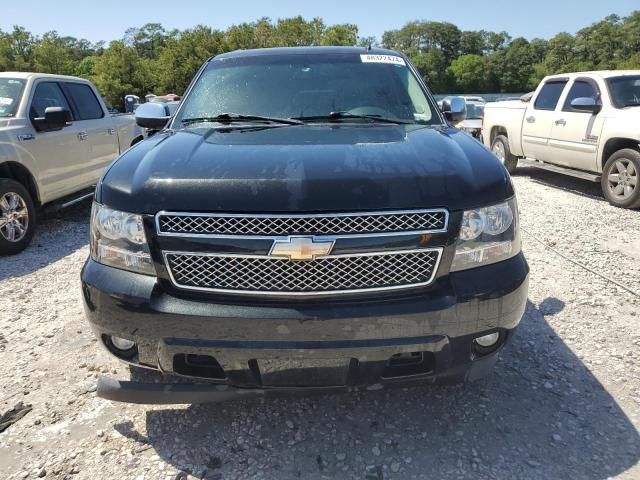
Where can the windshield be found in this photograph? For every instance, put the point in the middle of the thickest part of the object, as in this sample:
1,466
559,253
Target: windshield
298,86
10,93
625,91
475,111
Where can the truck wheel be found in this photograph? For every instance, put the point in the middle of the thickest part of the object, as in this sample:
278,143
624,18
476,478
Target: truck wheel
500,149
17,217
620,179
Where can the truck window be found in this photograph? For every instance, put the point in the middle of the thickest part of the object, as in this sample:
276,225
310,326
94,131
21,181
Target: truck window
625,90
85,101
10,93
47,94
580,89
549,95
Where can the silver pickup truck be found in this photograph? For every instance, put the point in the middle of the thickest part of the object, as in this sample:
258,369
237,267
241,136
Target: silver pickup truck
56,137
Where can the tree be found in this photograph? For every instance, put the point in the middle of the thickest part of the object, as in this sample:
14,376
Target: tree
467,72
472,42
296,32
118,73
495,41
54,54
345,34
147,40
184,53
516,66
367,41
561,51
151,59
433,67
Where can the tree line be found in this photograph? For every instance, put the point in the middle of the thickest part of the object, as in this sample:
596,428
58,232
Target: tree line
151,59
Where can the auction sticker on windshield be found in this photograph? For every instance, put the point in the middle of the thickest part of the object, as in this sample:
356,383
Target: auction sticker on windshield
371,58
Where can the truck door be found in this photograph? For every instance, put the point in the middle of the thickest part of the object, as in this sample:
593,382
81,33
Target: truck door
574,134
57,153
95,129
538,118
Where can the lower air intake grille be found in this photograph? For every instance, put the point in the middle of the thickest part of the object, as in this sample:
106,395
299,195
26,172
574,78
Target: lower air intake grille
329,274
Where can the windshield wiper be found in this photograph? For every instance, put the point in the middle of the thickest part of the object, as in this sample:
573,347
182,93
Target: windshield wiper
334,116
634,104
227,118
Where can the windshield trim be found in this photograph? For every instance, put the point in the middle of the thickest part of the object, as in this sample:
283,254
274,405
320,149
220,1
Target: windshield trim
437,113
18,98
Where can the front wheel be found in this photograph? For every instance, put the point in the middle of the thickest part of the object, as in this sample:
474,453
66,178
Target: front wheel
17,217
500,148
620,179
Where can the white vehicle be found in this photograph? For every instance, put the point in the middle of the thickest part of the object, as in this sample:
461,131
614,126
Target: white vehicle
472,124
581,124
56,137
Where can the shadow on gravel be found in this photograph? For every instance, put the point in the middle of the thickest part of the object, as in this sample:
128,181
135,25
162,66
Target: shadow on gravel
567,183
58,234
541,414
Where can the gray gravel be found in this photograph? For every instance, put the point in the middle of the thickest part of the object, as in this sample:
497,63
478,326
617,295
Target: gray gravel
563,402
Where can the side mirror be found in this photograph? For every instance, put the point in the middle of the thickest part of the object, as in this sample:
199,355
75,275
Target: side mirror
454,109
153,116
585,104
55,118
526,98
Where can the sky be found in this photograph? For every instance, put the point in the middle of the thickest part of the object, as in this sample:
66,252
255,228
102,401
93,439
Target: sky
107,20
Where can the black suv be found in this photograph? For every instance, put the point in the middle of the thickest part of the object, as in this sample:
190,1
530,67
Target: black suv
307,219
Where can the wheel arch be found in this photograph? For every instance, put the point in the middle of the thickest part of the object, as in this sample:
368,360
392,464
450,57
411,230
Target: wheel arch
495,131
614,144
137,139
21,174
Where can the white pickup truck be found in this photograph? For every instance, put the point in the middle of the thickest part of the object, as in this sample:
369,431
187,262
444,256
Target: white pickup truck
56,137
582,124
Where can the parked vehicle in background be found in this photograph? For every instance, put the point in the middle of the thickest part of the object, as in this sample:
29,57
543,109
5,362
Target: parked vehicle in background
169,97
304,233
475,111
582,124
56,137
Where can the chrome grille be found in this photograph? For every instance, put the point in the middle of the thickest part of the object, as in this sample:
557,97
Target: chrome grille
316,224
329,274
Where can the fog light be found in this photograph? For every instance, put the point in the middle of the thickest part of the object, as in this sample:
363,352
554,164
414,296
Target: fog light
488,340
122,343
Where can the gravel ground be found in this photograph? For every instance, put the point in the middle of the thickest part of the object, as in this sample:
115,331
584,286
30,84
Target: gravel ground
563,402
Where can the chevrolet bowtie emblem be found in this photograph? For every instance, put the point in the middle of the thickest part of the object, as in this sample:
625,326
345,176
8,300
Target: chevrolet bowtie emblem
301,248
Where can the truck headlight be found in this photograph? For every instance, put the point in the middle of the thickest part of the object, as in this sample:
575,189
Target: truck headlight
118,240
487,235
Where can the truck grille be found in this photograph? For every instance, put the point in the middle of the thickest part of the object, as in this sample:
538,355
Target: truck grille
328,274
315,224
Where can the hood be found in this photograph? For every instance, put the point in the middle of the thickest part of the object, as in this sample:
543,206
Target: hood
304,169
471,123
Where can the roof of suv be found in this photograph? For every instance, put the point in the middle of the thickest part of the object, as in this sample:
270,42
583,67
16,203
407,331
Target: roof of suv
305,51
26,75
596,73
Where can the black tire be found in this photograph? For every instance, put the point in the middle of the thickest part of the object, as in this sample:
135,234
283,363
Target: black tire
20,240
620,179
501,144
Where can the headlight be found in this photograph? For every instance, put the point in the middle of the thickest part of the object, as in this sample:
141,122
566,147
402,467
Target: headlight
487,235
118,240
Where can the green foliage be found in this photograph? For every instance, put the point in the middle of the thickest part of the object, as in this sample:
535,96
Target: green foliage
468,72
150,59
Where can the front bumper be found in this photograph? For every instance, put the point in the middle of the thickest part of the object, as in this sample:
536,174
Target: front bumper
264,346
